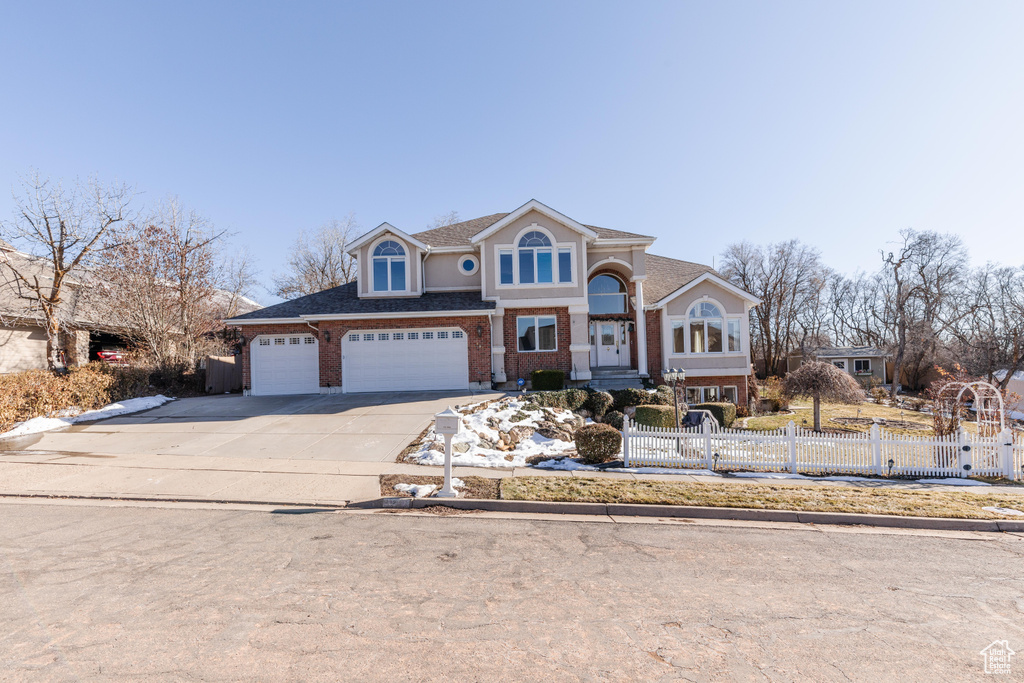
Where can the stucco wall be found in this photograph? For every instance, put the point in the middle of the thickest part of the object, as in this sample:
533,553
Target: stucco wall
22,348
682,304
442,271
507,236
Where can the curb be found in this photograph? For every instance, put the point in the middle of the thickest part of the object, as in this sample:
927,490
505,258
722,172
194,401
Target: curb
155,499
682,511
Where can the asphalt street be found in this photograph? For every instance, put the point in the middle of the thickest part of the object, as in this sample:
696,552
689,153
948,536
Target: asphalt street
145,593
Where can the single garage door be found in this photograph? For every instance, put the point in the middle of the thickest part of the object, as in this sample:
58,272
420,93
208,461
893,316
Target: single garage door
405,360
285,364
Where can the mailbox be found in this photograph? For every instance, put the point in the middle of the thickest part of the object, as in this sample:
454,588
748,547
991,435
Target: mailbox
448,422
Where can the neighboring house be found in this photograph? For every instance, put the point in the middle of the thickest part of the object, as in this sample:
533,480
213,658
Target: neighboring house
489,300
1015,393
863,362
22,326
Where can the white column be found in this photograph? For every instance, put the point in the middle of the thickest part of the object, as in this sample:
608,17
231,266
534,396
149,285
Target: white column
641,330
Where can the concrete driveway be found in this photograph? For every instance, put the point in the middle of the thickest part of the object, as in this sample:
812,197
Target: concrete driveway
327,449
345,427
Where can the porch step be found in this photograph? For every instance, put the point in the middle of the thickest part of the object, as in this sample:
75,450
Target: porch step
603,379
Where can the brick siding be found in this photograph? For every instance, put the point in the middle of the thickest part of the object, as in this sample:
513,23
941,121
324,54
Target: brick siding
654,365
522,364
479,343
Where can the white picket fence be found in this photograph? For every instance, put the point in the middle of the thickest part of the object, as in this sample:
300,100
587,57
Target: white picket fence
797,450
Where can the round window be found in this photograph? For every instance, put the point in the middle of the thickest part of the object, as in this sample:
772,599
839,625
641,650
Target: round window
468,265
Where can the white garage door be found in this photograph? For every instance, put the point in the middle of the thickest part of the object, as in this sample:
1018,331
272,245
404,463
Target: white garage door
405,360
285,364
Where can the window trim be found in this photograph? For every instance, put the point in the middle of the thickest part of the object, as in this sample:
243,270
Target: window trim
406,262
843,367
556,247
870,369
702,390
536,325
735,389
677,321
476,265
624,294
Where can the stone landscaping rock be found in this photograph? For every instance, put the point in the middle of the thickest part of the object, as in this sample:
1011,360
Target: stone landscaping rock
518,434
437,446
459,447
584,413
554,433
494,422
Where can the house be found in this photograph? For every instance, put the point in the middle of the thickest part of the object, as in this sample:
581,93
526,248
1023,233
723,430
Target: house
1014,393
86,330
863,362
485,302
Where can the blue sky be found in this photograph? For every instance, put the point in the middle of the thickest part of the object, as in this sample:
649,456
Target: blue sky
699,123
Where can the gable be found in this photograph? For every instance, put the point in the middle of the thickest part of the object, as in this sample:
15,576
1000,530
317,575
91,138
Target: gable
534,207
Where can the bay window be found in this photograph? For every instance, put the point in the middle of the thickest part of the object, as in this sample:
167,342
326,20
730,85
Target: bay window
706,330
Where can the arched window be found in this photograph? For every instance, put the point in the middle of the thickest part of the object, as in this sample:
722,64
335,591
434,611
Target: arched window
606,294
389,265
707,330
535,260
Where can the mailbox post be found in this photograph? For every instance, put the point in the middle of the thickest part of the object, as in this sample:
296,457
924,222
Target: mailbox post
447,423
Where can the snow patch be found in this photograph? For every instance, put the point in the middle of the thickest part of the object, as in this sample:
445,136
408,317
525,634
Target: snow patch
416,490
954,481
70,416
1004,511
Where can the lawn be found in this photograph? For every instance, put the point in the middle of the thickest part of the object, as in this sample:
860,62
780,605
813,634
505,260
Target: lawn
801,498
803,415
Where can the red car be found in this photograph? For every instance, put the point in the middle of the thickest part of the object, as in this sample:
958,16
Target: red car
113,356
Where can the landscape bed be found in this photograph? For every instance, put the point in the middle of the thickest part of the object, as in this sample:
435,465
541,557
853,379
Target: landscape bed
793,497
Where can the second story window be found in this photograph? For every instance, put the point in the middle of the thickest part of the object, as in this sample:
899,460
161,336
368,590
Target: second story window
706,330
389,267
534,260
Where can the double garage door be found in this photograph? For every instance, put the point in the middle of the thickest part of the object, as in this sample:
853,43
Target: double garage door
425,359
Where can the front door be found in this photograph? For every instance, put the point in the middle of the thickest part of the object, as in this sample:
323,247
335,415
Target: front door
608,344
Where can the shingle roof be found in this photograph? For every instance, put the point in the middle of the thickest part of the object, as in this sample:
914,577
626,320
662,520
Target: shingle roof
847,351
459,234
344,299
666,275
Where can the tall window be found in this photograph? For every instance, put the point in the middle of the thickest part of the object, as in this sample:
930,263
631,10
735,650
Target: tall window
537,333
606,294
535,254
389,267
534,260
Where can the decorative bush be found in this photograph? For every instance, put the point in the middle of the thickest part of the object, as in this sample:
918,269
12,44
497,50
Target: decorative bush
916,404
742,411
547,380
625,398
657,416
599,403
662,396
549,399
575,398
614,419
597,443
725,413
880,395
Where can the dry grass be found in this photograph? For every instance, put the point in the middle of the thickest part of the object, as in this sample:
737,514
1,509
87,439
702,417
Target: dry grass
804,417
802,498
476,487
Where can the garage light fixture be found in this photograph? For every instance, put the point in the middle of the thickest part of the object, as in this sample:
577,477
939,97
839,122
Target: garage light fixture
327,336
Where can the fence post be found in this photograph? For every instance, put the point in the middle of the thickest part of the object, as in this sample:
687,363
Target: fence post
876,448
966,452
1005,440
625,441
791,432
707,445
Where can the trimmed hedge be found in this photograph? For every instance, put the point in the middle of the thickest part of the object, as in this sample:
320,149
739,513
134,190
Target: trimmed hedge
663,396
599,403
625,398
614,419
725,413
597,443
547,380
657,416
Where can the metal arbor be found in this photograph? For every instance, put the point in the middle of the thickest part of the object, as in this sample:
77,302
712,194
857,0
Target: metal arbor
988,404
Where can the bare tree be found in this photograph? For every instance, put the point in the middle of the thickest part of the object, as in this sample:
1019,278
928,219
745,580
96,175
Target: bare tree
319,260
164,277
240,280
62,228
444,220
822,382
924,271
787,277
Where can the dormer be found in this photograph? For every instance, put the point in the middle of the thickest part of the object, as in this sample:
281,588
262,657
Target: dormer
390,263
